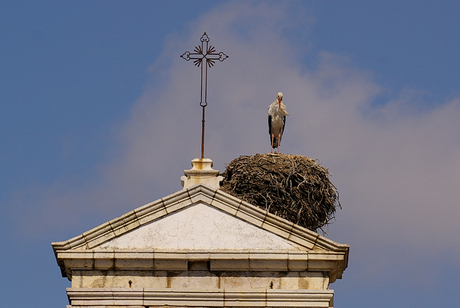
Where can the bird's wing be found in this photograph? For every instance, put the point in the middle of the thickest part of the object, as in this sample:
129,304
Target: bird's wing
270,125
284,125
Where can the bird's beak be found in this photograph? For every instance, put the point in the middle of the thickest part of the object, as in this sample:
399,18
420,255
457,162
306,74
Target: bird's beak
279,102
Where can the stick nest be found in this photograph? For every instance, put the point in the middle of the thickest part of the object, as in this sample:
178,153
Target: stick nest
293,187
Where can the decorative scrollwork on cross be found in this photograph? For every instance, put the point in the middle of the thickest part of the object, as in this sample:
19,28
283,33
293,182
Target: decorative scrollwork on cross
207,53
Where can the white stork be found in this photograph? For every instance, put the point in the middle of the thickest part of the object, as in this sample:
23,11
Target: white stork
276,121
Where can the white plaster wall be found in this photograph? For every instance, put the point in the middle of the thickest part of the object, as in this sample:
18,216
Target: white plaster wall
200,227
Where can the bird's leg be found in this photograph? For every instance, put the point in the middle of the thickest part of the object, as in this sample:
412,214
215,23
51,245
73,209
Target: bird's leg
279,141
271,145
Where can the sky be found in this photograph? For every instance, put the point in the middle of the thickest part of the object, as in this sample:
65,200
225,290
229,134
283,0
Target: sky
100,115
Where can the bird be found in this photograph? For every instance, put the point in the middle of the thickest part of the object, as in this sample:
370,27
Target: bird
276,121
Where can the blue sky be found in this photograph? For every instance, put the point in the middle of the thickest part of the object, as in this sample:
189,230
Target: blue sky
100,115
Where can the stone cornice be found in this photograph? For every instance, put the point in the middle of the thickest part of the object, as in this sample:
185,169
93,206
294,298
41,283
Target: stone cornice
243,260
144,297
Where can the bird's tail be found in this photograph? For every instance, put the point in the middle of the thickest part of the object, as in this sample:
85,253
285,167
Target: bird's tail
275,142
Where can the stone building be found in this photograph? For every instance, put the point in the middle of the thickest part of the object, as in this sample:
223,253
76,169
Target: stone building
200,247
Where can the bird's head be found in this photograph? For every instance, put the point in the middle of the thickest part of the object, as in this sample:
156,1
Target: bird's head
279,97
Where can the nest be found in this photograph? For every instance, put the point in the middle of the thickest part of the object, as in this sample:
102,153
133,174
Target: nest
293,187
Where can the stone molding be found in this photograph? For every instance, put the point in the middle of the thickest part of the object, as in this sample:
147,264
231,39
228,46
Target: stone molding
144,297
218,261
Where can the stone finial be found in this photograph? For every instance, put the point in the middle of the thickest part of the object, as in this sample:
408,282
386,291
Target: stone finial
201,172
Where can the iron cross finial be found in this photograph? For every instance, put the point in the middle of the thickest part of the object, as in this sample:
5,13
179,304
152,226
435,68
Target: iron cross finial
206,53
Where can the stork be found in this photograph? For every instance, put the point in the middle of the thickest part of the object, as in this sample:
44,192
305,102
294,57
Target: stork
276,121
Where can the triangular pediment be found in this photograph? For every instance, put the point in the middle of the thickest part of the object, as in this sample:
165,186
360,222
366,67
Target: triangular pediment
201,223
199,218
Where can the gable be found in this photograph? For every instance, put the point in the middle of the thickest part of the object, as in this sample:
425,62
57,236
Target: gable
142,225
204,224
200,227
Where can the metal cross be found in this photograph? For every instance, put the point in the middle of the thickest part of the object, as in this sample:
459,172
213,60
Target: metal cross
209,54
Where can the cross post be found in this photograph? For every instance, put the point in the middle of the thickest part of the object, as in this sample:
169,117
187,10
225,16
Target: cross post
207,54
